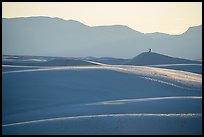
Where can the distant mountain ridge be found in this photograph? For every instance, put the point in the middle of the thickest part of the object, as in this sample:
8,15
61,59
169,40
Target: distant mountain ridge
45,36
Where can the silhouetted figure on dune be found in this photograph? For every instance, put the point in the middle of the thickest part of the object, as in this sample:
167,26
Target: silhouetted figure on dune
149,49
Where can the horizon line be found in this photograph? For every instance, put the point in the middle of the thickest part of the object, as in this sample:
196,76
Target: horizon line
100,25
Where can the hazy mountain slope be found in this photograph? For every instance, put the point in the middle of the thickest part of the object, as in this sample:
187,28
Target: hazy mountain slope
57,37
157,35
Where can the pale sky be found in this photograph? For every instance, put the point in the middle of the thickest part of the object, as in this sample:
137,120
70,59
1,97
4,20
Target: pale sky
146,17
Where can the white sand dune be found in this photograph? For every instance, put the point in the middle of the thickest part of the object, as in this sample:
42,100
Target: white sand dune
106,115
125,101
100,99
167,74
143,124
